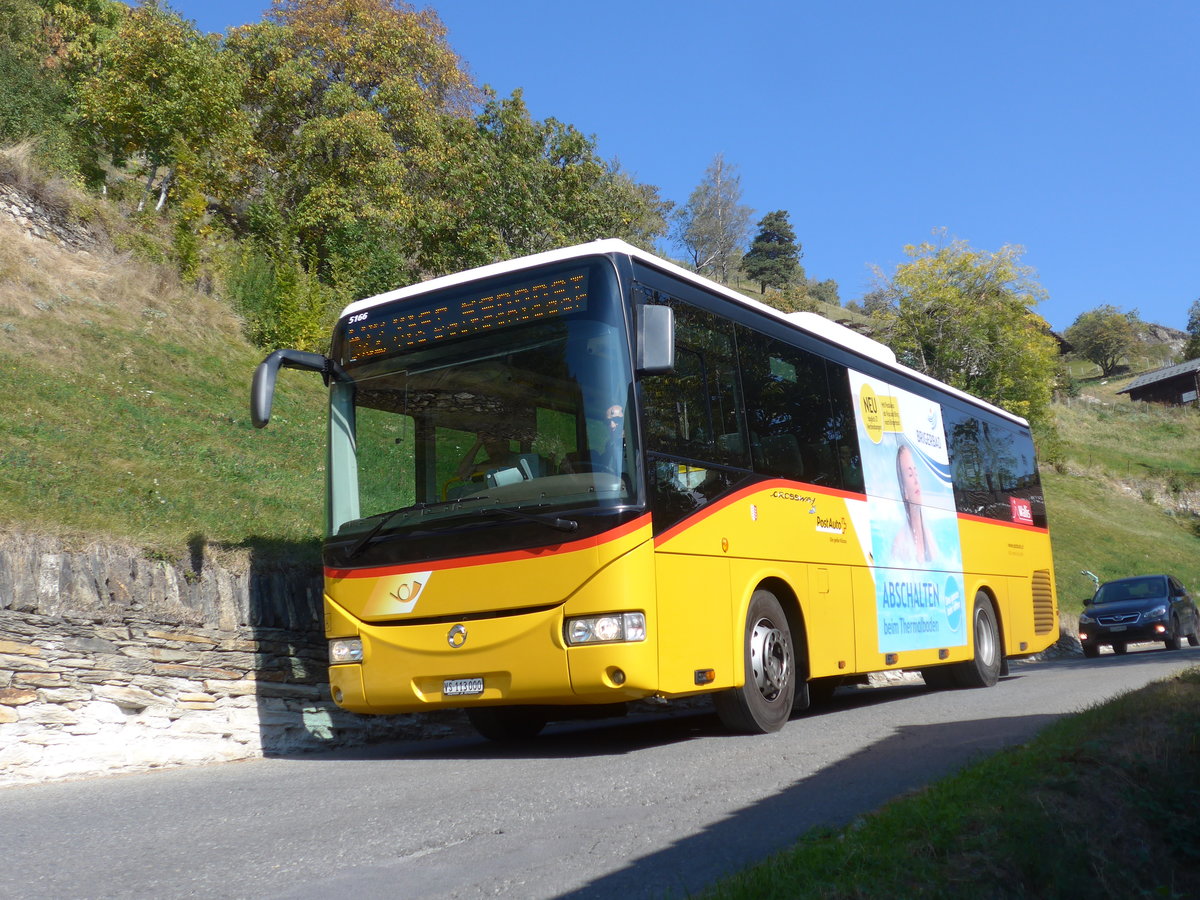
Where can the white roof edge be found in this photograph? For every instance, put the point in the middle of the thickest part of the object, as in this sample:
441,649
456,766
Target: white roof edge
812,323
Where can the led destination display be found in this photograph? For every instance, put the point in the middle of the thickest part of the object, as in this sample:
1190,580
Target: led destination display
397,328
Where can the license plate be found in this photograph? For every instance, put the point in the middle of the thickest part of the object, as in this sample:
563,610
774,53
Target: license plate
462,687
1110,628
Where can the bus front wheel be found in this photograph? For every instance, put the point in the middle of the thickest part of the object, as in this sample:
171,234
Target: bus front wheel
764,702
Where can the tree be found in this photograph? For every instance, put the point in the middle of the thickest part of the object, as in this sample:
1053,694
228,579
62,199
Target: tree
350,101
773,259
1105,336
163,92
965,317
1191,350
712,227
508,185
46,49
825,291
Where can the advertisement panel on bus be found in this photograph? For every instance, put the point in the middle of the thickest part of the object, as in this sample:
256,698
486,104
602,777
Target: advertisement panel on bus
914,555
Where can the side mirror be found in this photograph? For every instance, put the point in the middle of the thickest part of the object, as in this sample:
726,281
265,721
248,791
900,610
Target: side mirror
655,340
262,388
1087,601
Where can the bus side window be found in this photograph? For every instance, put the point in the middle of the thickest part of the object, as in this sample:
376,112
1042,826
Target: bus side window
800,413
693,411
992,464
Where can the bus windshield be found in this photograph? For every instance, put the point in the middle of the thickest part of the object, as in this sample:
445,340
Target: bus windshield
528,419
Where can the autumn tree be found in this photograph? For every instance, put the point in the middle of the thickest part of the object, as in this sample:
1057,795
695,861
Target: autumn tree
965,317
1105,336
773,259
511,185
46,48
348,100
163,92
712,227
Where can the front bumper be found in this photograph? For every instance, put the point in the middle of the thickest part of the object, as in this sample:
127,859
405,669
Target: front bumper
1142,632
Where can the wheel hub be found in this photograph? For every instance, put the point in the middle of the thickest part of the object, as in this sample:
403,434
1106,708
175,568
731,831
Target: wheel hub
769,659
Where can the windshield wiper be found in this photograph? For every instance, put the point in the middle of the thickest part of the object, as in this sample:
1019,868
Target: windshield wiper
555,522
357,547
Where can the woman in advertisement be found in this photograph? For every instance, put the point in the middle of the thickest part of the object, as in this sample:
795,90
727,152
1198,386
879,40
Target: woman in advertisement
913,544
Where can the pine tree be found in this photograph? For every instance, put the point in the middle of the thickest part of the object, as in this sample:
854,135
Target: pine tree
774,257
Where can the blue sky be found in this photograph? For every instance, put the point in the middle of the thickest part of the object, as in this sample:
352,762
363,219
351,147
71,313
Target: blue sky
1069,128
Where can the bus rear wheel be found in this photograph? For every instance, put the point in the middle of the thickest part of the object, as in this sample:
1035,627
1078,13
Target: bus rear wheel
984,669
507,724
764,702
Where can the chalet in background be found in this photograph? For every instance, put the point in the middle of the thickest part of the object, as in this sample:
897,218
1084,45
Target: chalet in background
1177,385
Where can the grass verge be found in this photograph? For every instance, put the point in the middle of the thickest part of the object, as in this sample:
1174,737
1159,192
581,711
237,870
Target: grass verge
1102,804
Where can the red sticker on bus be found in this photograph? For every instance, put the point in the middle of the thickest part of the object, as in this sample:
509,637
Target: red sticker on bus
1022,510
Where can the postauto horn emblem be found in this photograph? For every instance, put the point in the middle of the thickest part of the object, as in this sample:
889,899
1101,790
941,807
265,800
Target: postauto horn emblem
457,636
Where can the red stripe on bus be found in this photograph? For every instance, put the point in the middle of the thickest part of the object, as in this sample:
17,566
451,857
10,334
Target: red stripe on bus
756,488
984,520
490,558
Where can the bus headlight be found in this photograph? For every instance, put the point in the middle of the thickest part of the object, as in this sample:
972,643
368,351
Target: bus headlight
345,650
607,629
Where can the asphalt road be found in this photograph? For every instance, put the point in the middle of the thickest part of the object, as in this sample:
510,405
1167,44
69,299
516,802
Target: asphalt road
644,806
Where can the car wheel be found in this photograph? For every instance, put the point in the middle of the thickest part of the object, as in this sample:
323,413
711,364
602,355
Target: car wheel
764,702
1120,648
1194,635
1091,651
984,669
1173,641
507,724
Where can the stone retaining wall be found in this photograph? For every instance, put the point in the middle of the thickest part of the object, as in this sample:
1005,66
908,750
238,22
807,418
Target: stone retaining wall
111,661
38,221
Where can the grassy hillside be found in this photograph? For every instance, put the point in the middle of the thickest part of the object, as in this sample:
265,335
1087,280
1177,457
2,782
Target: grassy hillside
126,409
1125,498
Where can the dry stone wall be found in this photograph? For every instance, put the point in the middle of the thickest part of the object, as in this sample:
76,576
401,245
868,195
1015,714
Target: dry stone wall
112,661
38,221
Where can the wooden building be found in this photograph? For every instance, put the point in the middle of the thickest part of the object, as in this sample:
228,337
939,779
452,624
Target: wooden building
1177,385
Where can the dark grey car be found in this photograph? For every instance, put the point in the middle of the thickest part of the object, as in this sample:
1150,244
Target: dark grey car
1138,609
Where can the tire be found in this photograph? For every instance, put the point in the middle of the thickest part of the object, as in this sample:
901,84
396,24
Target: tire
1173,641
1120,648
507,724
984,669
1091,651
764,703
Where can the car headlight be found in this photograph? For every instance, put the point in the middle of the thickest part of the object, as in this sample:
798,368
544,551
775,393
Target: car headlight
345,650
1157,613
1085,619
607,629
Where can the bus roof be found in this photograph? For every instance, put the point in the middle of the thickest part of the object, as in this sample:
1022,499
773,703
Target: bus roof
811,323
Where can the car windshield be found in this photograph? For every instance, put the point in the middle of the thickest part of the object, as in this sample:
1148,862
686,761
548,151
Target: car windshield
1147,587
520,420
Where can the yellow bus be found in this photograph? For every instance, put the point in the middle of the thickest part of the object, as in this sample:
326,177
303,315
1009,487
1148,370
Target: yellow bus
589,476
